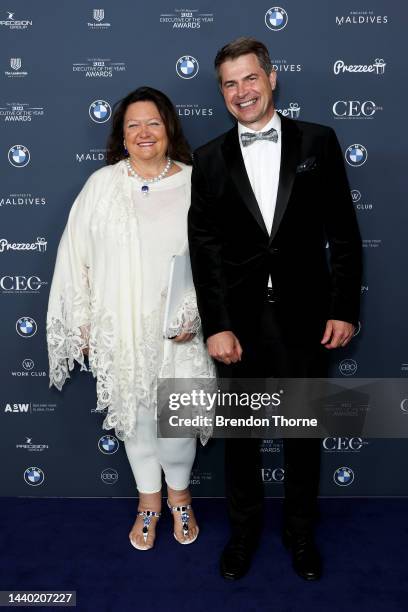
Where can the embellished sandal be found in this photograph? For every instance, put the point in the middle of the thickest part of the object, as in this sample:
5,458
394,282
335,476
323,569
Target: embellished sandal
185,517
147,519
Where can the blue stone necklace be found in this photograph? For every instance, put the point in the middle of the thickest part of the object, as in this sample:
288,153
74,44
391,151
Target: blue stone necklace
147,181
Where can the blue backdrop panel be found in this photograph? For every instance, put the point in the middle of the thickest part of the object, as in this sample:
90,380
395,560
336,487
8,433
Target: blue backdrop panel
61,71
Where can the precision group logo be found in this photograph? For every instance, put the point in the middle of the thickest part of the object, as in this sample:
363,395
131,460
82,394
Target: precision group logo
26,327
348,367
343,476
276,18
356,155
187,67
34,476
19,156
100,111
15,24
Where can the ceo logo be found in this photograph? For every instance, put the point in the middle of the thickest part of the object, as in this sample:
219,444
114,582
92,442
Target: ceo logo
354,108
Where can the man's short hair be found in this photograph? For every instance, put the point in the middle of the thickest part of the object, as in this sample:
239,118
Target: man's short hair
243,46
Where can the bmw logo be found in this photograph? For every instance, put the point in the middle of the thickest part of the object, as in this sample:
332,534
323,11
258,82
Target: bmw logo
276,18
356,155
343,476
34,476
26,327
19,156
100,111
28,364
355,195
108,445
109,476
187,67
348,367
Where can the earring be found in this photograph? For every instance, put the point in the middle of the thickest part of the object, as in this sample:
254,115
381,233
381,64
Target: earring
125,149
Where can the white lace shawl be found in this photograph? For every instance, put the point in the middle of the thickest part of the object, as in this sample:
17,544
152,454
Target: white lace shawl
92,306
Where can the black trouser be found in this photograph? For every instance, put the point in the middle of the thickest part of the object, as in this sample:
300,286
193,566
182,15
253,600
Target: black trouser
267,354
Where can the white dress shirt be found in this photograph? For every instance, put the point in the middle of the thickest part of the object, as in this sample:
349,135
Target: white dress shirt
262,162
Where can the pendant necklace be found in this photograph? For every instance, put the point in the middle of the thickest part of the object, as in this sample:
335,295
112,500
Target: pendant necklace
146,181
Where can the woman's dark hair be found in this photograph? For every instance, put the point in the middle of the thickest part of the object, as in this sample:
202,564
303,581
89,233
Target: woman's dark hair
178,150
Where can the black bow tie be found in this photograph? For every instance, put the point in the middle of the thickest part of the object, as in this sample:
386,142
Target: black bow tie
247,138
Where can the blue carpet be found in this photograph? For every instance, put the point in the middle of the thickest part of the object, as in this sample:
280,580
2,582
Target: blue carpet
82,545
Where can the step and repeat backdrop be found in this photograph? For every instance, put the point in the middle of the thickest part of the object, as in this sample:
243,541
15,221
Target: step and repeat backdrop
62,68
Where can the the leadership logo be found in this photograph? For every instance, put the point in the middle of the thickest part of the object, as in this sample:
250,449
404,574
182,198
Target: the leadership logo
34,476
343,476
15,63
187,67
100,111
26,327
108,445
276,18
356,155
98,14
19,156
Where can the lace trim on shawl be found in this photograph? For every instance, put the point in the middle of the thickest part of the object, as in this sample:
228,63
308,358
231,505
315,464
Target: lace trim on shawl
188,320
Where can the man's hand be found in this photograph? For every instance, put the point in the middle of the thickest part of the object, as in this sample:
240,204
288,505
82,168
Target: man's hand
337,333
224,347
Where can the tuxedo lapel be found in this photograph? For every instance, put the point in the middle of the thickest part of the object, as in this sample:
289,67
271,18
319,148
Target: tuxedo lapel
289,160
235,163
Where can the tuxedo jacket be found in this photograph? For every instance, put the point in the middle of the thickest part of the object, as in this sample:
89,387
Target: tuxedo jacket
313,253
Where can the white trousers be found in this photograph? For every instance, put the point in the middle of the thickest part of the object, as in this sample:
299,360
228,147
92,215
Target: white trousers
148,455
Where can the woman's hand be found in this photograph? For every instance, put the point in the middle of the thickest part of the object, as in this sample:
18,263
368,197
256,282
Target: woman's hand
183,337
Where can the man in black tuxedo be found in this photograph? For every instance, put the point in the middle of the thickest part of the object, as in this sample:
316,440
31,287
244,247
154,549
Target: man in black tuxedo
267,196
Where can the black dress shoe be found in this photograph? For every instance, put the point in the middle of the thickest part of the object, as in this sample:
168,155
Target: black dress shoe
306,560
236,557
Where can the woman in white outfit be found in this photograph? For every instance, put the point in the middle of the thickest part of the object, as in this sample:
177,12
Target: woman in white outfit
108,296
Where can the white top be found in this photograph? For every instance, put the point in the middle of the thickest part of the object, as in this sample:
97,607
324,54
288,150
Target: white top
109,291
262,162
